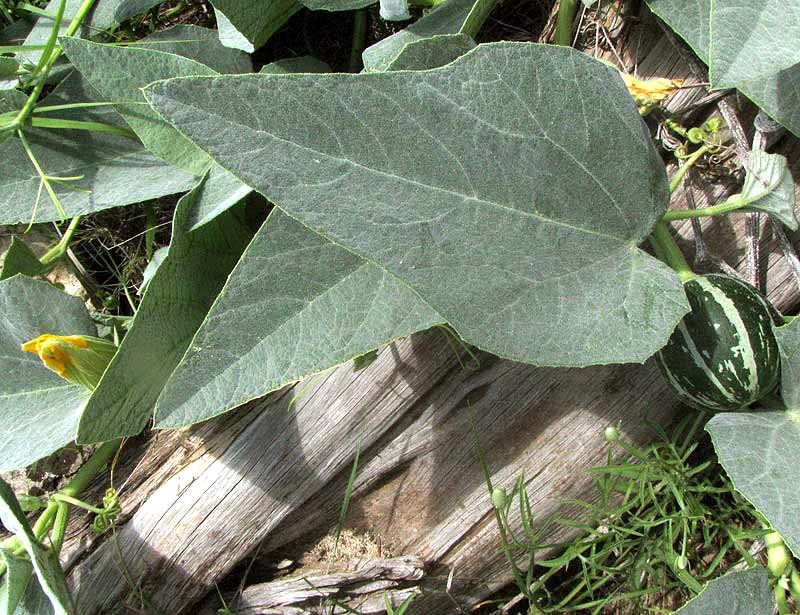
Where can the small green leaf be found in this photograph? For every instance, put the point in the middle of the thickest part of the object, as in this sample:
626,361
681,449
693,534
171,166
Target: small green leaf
176,301
247,25
759,451
19,572
40,410
446,18
432,52
363,361
45,562
768,186
21,259
737,593
394,10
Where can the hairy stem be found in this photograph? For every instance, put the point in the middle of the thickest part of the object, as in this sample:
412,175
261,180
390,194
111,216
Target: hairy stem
669,252
566,15
359,39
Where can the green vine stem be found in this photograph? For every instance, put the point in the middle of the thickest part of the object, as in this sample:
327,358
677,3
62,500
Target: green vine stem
690,160
566,15
62,246
714,210
59,526
668,251
477,17
79,482
359,39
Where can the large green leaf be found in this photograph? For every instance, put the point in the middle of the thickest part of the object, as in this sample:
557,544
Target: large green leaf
40,410
295,304
176,301
778,94
114,170
447,18
752,40
119,73
221,189
45,562
759,451
498,199
247,25
738,593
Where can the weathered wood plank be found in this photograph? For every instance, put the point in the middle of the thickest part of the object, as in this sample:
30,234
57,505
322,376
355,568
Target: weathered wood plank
203,520
361,585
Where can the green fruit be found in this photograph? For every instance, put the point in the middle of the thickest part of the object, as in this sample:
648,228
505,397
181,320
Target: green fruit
723,354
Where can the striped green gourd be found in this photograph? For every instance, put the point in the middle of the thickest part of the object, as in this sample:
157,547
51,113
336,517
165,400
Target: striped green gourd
723,354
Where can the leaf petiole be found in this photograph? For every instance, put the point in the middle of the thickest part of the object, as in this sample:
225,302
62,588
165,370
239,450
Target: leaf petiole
68,499
61,247
668,251
46,122
44,181
714,210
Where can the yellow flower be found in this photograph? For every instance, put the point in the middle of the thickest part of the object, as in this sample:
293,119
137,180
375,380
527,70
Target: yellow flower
81,359
648,93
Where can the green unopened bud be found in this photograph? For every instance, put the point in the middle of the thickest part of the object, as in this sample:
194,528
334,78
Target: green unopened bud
681,562
499,498
696,135
611,433
81,359
713,125
778,558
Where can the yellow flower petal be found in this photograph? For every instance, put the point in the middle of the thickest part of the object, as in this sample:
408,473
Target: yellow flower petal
81,359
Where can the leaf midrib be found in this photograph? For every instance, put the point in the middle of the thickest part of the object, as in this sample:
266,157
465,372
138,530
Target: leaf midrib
465,198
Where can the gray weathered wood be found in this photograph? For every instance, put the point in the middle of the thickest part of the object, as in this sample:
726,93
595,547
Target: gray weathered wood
362,585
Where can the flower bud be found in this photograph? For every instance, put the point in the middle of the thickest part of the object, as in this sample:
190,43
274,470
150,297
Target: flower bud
81,359
499,498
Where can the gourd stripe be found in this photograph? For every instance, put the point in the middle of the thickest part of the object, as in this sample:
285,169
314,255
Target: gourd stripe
745,343
701,364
